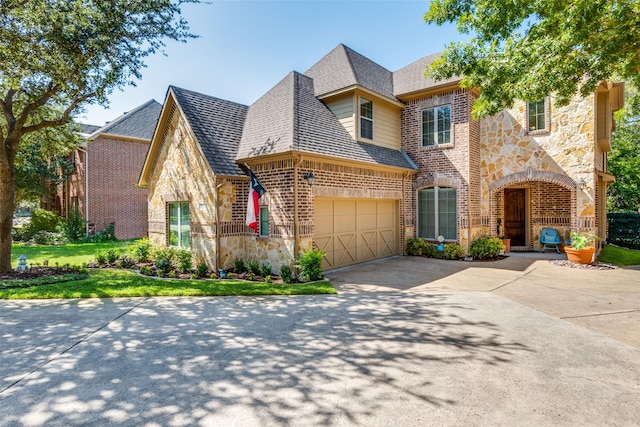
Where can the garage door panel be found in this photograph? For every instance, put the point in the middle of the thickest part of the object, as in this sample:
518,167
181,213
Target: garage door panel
355,230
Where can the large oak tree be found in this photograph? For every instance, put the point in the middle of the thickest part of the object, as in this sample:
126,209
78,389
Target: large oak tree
528,49
58,55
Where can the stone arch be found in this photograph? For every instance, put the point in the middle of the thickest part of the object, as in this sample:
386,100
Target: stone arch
438,180
533,175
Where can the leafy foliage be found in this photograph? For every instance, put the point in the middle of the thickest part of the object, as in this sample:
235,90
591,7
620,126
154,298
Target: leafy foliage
253,267
42,220
486,247
624,230
286,273
624,163
528,49
73,227
310,264
417,246
184,260
238,265
265,269
580,241
453,251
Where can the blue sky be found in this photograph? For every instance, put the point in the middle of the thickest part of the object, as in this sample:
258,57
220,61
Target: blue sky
246,47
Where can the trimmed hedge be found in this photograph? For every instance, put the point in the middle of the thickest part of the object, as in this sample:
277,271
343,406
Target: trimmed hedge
624,229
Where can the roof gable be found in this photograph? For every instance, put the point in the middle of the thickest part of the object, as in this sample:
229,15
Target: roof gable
411,78
138,123
343,67
217,126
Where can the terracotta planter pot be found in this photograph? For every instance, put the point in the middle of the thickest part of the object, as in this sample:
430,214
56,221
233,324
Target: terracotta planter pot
580,256
507,245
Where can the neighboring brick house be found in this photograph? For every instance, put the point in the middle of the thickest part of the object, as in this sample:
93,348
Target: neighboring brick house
104,189
394,155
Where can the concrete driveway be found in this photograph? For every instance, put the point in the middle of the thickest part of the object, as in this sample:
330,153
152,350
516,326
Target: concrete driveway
429,352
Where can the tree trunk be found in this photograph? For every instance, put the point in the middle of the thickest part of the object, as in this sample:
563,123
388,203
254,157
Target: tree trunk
7,207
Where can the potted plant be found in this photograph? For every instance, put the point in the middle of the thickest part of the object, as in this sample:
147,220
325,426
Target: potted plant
582,248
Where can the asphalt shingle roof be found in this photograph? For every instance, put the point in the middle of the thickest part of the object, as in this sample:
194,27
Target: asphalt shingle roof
343,67
411,78
217,125
290,118
137,123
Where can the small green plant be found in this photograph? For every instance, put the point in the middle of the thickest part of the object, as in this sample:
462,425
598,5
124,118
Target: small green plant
453,251
126,261
146,270
310,264
73,227
101,257
184,260
267,279
431,251
486,247
112,256
417,246
141,250
286,273
238,265
253,267
172,274
202,269
193,276
581,241
252,276
163,265
265,269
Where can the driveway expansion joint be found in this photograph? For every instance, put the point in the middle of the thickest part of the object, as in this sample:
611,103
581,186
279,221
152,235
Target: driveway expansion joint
637,310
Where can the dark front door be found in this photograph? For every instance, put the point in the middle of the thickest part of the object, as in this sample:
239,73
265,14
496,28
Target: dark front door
515,216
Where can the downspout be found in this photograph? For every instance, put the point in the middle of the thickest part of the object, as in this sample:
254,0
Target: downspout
86,190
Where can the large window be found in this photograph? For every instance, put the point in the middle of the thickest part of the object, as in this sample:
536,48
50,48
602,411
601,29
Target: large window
437,213
264,221
179,225
537,116
436,126
366,118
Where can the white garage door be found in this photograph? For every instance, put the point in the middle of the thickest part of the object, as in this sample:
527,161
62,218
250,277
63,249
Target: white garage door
355,230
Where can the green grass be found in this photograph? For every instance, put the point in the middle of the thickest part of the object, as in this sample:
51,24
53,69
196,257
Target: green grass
71,253
619,256
124,283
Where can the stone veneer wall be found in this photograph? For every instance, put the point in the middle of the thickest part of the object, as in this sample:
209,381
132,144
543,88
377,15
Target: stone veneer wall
557,158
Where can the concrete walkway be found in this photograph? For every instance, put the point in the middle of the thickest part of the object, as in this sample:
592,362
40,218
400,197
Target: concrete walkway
605,301
409,342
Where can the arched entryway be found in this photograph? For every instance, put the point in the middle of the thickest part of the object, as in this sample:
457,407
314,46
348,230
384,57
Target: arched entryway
524,203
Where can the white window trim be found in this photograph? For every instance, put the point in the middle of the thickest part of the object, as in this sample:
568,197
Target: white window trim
435,131
361,117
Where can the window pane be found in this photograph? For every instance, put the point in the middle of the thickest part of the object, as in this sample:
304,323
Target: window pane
428,128
444,124
537,115
366,128
426,213
179,225
173,224
366,108
185,226
447,213
264,221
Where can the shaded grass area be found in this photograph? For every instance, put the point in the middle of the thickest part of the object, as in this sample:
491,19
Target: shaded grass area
70,253
125,283
619,256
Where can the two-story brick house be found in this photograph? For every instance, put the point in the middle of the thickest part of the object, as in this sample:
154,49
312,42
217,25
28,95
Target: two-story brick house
394,155
103,184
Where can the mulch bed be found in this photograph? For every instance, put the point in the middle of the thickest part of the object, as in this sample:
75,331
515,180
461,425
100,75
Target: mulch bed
36,272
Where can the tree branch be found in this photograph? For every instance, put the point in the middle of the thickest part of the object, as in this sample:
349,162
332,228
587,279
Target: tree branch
29,108
60,121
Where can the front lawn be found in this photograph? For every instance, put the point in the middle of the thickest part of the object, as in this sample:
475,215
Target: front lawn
619,256
70,253
114,283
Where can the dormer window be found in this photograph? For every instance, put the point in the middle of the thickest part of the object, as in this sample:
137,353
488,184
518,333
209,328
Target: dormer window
366,119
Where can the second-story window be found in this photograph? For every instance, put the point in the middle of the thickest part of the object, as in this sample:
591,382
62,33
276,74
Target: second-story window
536,116
436,126
366,118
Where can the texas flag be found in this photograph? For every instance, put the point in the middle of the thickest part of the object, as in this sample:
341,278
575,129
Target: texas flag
256,190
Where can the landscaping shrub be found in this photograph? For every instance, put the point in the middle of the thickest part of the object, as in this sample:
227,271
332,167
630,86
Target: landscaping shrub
112,256
417,246
184,260
164,265
453,251
146,270
253,267
310,264
624,229
265,269
126,261
487,247
73,227
431,251
42,220
141,250
239,266
202,270
101,257
44,237
286,274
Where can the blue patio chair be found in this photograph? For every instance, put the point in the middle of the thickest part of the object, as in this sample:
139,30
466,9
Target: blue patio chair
550,237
